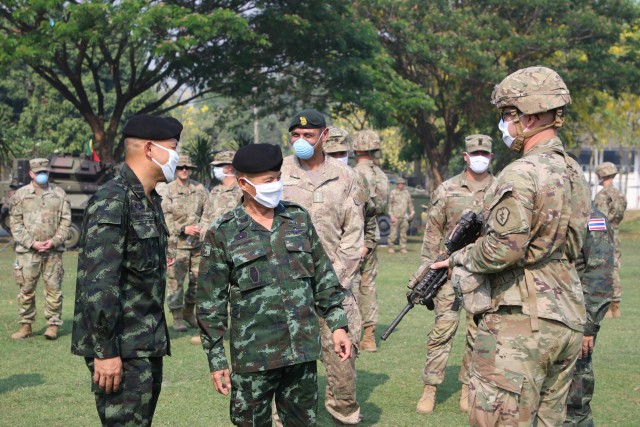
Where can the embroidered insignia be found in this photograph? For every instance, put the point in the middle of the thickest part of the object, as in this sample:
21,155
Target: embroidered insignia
241,235
254,274
303,120
597,224
502,216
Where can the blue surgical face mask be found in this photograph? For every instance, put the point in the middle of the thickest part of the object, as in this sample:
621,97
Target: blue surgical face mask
303,148
42,178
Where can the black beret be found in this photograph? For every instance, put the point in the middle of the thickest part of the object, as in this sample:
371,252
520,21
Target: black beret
256,158
155,128
308,119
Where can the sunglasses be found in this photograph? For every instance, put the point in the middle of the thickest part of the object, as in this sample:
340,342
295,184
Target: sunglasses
183,168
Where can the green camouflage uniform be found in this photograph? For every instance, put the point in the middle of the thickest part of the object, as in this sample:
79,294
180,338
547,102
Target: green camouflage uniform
120,288
364,283
399,203
221,200
335,202
449,201
613,204
595,268
527,345
183,206
39,214
276,283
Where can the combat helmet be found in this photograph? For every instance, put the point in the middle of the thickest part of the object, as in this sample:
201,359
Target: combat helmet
366,140
532,90
606,169
337,141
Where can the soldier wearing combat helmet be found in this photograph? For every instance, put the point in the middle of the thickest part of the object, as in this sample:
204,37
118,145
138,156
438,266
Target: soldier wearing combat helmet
613,204
535,213
337,144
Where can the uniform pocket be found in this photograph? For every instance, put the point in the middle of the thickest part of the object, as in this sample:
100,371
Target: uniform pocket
300,258
250,264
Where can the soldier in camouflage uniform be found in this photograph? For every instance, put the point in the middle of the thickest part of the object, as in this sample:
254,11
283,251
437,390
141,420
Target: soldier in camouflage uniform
265,261
595,268
613,204
332,195
119,324
449,201
366,145
40,216
536,211
399,203
182,207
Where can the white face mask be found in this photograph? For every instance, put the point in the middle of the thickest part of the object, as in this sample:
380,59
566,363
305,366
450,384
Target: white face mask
169,168
344,159
506,136
218,172
268,195
479,164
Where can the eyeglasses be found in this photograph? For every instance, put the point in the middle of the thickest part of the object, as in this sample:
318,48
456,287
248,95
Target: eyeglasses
183,168
509,115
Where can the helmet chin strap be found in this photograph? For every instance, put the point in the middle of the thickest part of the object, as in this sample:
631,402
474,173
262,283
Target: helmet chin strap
518,142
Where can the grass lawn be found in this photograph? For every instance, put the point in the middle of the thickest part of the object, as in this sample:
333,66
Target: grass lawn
42,384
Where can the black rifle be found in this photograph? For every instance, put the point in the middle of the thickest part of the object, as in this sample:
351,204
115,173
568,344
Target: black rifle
466,231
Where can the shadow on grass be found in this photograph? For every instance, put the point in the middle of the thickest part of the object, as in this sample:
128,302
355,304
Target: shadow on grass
450,385
367,382
17,381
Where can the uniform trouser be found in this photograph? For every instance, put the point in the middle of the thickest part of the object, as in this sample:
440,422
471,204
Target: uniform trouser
401,225
365,285
28,268
617,288
135,402
441,339
580,395
294,389
187,263
520,377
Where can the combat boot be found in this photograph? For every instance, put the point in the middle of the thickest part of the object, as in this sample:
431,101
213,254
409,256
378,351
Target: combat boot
392,251
178,323
196,340
609,314
428,400
189,315
403,251
24,332
52,332
464,398
369,339
615,309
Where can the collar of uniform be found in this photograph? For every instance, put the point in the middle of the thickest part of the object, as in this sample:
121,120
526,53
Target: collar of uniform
244,219
464,182
133,181
229,187
553,144
366,162
326,168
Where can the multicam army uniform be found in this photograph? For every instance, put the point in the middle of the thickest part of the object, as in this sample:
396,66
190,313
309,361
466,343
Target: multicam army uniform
221,200
273,281
595,268
530,339
449,201
119,309
613,204
399,203
183,206
334,202
36,215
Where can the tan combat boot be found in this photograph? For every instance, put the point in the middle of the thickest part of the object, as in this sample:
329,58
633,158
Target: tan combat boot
189,315
52,332
369,339
178,323
464,398
392,251
24,332
403,251
196,340
428,400
615,309
609,315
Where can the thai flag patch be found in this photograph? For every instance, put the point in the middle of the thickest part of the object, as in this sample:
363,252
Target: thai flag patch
597,224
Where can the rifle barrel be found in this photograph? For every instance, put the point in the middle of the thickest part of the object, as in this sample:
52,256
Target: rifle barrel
396,321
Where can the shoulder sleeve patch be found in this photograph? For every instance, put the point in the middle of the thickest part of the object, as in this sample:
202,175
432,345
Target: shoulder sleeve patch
508,216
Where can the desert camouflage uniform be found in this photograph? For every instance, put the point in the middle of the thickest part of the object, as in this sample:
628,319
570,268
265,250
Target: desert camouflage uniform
364,283
277,283
613,204
399,203
449,201
120,291
335,204
221,200
183,206
527,345
595,268
39,214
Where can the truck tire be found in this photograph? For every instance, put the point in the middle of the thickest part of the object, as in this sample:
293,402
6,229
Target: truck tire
74,236
384,224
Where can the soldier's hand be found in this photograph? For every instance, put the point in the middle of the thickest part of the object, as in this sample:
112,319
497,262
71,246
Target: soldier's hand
192,230
393,218
46,245
170,261
440,264
341,344
587,347
221,381
107,374
38,246
364,253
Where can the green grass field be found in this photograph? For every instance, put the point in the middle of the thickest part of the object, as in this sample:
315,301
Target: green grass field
42,384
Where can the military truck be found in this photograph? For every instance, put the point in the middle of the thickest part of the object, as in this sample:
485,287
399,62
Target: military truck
80,177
